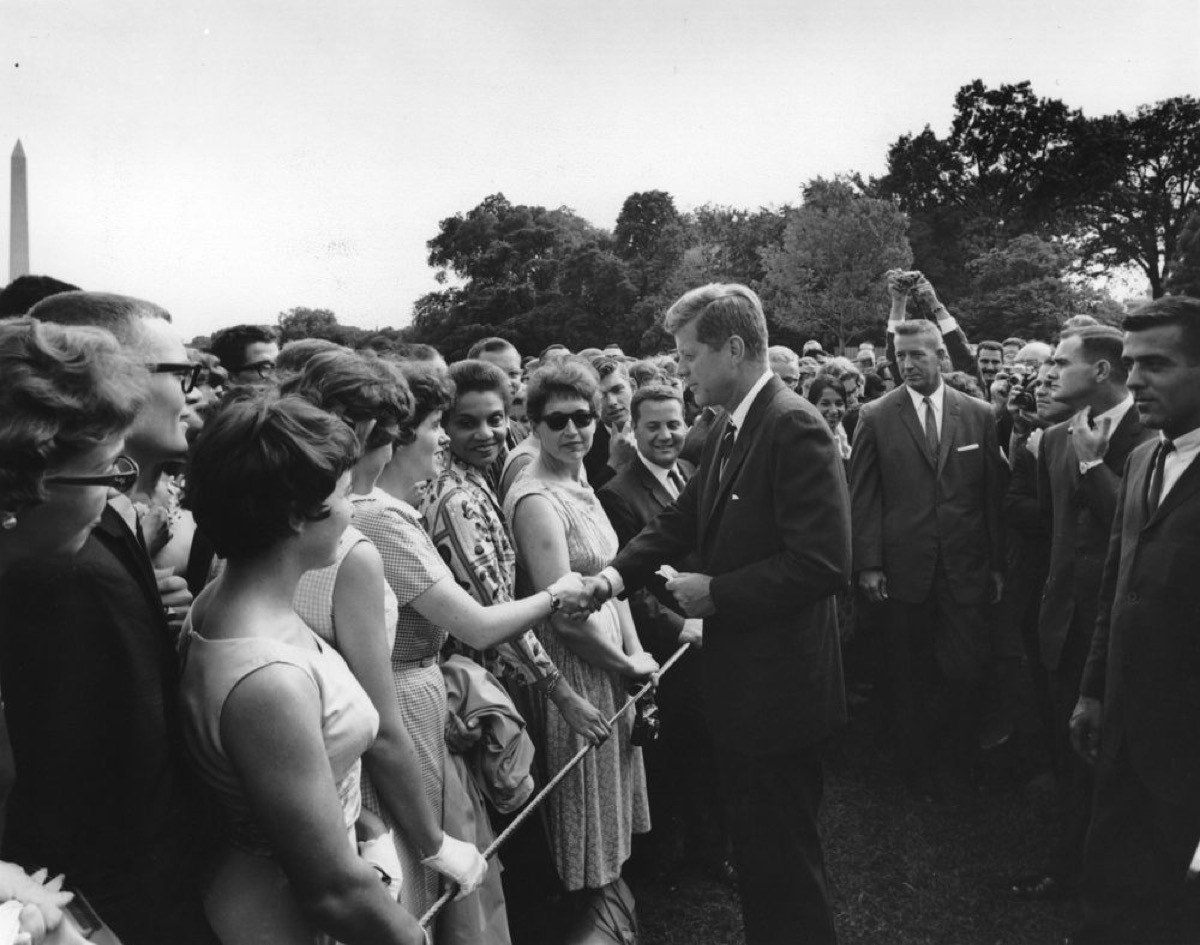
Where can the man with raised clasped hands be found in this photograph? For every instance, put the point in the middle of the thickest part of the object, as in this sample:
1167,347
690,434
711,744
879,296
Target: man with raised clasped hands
767,515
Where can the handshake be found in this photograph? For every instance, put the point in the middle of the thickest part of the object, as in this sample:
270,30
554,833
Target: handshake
578,596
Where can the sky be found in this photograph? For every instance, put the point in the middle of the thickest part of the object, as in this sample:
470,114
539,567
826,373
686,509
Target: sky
232,159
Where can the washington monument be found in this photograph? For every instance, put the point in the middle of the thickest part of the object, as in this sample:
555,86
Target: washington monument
18,227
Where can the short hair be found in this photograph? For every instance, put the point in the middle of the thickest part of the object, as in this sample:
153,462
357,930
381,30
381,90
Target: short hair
606,366
119,314
475,376
989,346
1180,310
963,382
553,351
488,346
1101,343
295,354
24,292
782,354
840,368
417,352
809,364
1014,340
720,311
657,393
564,377
873,386
431,389
63,391
229,344
822,383
920,328
262,460
346,385
1080,321
646,371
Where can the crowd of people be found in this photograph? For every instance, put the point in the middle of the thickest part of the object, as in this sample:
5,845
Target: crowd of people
289,634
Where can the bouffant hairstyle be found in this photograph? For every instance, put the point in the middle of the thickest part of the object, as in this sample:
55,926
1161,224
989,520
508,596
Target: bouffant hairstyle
358,389
473,376
63,391
431,389
822,383
295,354
964,383
646,372
262,461
720,311
563,378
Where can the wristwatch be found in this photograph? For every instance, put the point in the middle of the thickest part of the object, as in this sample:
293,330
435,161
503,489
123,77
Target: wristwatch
555,602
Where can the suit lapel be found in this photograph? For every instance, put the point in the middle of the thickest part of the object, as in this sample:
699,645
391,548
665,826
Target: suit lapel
1124,438
651,484
1185,487
908,414
950,410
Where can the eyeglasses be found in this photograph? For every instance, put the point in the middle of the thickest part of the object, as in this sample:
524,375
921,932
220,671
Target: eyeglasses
122,478
187,372
264,368
558,421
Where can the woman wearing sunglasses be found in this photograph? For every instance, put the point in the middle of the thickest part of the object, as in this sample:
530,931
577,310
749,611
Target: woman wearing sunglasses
67,396
559,526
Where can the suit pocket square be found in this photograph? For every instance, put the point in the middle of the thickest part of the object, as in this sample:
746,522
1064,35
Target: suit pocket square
968,448
733,497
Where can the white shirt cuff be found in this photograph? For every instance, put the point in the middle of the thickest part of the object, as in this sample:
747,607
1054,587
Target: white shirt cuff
947,323
615,579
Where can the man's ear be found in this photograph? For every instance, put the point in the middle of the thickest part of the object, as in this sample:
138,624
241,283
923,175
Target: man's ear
737,347
1102,370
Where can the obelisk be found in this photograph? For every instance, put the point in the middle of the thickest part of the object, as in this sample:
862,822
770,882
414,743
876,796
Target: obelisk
18,224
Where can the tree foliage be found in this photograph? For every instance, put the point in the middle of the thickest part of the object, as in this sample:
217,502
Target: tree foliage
1184,278
303,322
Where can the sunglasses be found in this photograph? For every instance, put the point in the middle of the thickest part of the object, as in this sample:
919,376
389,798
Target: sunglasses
263,369
122,478
558,421
188,373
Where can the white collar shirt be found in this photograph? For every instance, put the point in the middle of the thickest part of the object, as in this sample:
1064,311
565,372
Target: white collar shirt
937,399
1187,447
662,475
738,417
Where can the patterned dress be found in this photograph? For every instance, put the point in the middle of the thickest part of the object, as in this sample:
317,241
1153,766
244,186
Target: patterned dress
596,809
411,565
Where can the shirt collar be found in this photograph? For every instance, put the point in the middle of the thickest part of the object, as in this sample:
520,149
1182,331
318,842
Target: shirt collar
936,398
1186,444
657,471
1116,414
738,417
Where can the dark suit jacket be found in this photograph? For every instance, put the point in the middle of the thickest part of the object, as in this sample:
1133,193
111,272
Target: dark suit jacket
1145,658
596,460
774,534
103,789
632,499
911,508
1080,509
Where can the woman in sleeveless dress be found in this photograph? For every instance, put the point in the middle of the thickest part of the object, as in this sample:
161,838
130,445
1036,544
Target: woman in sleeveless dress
559,526
273,718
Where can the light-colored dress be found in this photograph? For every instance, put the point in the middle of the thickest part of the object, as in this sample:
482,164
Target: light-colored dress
596,809
250,901
411,565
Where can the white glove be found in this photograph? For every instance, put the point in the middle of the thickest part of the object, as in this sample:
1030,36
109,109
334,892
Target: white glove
41,901
380,852
459,861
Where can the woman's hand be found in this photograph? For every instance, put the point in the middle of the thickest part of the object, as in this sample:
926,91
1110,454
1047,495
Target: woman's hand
460,737
575,598
43,900
642,666
585,719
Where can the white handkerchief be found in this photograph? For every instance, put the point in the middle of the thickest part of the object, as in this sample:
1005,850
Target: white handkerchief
735,497
964,449
666,572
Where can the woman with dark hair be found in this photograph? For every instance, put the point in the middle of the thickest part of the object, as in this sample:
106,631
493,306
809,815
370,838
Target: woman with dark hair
827,393
67,396
274,720
559,526
432,605
350,605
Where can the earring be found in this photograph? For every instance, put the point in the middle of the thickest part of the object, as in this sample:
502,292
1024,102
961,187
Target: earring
9,521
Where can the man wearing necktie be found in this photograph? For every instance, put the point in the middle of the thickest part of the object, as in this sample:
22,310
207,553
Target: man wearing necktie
926,480
1138,715
770,538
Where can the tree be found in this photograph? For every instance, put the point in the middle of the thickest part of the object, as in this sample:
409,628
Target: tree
303,322
826,279
650,238
1185,269
731,243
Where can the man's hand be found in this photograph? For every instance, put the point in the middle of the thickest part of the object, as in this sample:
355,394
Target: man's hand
43,900
599,589
873,584
575,597
176,598
691,590
461,737
1090,442
584,718
692,632
997,586
1034,443
622,448
1085,728
924,291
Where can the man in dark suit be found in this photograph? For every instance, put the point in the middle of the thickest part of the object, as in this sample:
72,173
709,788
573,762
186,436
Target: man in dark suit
767,517
1138,715
612,445
1080,463
684,805
926,480
88,668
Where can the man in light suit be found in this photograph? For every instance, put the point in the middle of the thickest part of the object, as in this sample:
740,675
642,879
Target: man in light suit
1080,463
927,481
767,517
1138,715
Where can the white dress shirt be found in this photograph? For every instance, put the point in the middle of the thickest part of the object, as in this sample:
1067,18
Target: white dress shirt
1187,447
1116,415
937,399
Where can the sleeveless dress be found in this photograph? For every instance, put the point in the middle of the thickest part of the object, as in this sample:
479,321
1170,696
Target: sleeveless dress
596,809
250,901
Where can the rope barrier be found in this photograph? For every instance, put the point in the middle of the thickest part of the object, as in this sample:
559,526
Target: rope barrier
550,786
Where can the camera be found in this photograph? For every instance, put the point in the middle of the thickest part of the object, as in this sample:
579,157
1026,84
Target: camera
1021,381
906,281
646,723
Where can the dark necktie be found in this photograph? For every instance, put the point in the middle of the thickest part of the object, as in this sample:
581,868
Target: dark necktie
1154,493
931,434
676,481
726,448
